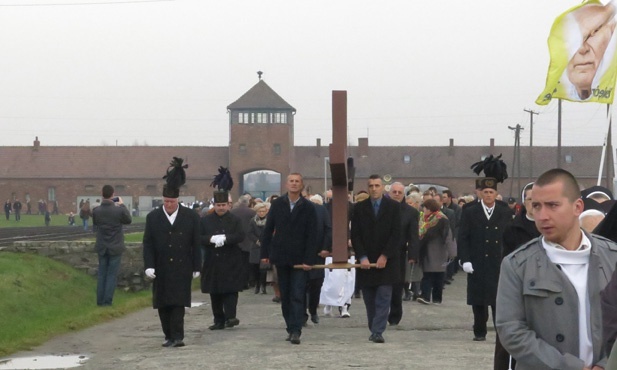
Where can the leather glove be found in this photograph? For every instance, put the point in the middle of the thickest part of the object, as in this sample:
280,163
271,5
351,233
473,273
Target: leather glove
150,273
468,268
196,274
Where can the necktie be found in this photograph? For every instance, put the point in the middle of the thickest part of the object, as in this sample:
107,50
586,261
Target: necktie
376,208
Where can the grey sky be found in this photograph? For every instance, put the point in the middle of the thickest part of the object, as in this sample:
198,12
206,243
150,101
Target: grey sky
163,72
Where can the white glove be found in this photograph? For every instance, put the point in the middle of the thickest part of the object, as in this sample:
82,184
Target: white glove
221,241
150,273
468,268
196,274
214,238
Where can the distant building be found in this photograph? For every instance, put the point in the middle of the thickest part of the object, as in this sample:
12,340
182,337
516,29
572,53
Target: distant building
260,154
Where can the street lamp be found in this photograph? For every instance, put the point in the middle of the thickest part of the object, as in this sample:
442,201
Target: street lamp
326,160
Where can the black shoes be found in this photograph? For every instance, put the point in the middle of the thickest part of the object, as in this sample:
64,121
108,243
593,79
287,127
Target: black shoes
315,319
288,337
376,338
217,326
407,296
173,343
294,338
276,299
479,339
232,322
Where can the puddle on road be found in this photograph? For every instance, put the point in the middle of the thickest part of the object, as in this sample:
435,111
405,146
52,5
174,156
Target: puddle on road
43,362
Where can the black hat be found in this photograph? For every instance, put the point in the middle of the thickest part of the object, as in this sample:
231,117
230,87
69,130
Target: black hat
221,196
493,167
511,200
478,183
175,177
223,180
488,182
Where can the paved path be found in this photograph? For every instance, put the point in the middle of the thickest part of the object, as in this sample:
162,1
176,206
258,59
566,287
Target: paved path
429,337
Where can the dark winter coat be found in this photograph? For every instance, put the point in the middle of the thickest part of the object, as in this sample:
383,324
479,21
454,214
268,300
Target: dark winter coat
253,234
109,220
223,269
323,238
409,241
437,247
372,236
173,252
480,241
289,237
520,231
245,214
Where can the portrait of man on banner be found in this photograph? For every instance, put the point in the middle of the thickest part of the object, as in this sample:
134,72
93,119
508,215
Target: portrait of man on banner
583,64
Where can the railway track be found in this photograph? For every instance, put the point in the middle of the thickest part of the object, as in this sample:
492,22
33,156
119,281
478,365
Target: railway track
50,233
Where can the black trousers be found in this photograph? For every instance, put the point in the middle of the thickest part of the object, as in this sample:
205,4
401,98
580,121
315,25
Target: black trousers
480,317
224,306
396,304
313,291
172,321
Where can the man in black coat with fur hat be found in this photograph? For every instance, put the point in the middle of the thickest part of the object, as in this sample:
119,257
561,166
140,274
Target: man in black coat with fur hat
171,256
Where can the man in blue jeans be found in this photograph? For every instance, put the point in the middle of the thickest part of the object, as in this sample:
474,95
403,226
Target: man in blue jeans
109,219
289,239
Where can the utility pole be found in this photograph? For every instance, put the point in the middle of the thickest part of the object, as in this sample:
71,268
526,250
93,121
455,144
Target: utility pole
531,113
517,155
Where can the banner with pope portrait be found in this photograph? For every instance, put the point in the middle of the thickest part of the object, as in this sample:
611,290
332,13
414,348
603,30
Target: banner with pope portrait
583,64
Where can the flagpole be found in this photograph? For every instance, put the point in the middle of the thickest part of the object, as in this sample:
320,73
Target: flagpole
558,133
609,108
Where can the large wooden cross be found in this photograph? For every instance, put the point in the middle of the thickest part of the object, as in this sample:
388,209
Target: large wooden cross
340,180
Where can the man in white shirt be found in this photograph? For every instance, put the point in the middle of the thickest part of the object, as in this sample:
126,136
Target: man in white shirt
548,299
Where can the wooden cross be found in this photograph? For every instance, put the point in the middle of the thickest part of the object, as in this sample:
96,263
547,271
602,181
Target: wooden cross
340,180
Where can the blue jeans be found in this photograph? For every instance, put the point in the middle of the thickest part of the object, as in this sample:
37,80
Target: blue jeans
106,283
85,223
377,301
292,283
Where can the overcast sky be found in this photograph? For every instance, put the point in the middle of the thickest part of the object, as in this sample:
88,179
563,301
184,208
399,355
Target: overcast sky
163,72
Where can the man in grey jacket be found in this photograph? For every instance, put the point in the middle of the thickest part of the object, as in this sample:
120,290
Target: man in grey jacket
108,219
548,299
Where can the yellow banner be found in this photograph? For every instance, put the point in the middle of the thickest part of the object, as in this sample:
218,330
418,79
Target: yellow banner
582,47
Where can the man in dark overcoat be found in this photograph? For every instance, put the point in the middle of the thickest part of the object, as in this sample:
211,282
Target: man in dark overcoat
246,214
480,248
375,237
289,239
172,259
223,274
409,250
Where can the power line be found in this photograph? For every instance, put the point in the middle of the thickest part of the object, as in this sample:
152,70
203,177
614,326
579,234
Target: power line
92,3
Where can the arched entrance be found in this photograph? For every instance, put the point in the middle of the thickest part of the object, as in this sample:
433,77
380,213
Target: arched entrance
261,183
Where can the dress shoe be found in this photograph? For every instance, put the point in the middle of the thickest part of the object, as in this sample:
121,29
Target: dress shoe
479,339
288,337
372,337
295,338
232,322
217,326
377,338
276,299
177,343
168,343
315,319
407,296
423,301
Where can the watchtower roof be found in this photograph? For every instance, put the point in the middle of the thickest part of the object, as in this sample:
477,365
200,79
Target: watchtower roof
261,96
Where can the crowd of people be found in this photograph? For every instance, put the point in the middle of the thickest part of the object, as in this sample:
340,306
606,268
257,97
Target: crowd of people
544,269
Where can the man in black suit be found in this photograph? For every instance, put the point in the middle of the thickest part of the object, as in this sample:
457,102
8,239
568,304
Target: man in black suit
172,258
289,239
375,237
480,247
409,250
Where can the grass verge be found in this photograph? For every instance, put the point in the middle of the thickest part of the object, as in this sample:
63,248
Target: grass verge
56,220
42,298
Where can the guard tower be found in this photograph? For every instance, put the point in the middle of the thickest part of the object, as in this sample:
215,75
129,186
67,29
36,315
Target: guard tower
261,134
